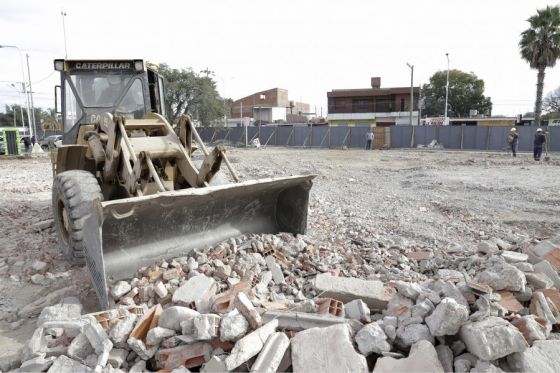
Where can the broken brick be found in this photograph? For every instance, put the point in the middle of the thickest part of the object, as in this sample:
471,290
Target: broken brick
330,306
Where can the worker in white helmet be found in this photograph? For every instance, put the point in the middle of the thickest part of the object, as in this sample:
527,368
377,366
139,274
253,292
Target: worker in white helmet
513,140
538,144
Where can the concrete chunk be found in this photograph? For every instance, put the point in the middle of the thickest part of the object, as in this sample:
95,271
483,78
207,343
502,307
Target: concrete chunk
422,358
372,339
373,293
117,357
234,326
492,338
543,357
551,272
215,365
80,347
38,364
445,356
297,321
197,290
60,312
157,334
120,332
64,364
413,333
250,345
326,350
357,309
502,276
447,318
206,327
274,267
96,335
171,317
119,289
246,308
272,353
514,256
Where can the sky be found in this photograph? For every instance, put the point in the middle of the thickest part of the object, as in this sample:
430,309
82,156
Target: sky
308,47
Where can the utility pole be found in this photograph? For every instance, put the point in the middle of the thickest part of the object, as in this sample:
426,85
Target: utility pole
63,14
411,104
446,89
31,95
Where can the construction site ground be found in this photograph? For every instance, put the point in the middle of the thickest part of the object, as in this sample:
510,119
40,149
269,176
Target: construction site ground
434,199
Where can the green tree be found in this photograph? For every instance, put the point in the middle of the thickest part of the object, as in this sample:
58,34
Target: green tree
187,92
551,103
540,46
466,92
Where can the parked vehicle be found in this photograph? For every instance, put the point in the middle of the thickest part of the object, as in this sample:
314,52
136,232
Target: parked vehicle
56,140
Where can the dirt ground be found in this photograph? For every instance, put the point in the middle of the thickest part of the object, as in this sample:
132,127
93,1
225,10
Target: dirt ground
444,201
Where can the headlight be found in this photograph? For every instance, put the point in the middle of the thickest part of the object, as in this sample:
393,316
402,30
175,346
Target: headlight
139,65
59,65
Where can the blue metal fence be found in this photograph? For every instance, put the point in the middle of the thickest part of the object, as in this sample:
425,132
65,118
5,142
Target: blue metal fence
451,137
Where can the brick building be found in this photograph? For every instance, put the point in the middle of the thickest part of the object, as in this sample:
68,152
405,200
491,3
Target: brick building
372,106
270,106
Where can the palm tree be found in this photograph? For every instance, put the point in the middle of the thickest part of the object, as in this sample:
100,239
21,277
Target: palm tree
540,46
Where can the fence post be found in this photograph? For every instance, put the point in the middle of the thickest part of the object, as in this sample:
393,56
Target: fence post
412,137
330,144
487,137
462,135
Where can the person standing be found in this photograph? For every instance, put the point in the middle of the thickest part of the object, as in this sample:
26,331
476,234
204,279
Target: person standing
538,144
369,138
513,141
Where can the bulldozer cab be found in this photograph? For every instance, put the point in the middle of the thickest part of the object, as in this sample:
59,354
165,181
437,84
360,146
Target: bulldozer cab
129,88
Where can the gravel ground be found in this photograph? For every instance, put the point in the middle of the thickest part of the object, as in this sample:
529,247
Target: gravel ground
401,201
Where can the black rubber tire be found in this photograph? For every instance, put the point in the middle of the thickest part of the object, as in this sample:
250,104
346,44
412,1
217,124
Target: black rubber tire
73,194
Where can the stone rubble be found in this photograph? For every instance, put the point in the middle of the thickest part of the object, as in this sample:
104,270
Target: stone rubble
282,303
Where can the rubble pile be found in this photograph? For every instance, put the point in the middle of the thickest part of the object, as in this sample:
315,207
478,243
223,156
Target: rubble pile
279,303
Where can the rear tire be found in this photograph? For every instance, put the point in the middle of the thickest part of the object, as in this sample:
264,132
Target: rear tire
73,194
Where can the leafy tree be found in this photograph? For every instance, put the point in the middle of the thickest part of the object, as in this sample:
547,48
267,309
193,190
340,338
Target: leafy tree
551,102
7,118
540,46
187,92
466,92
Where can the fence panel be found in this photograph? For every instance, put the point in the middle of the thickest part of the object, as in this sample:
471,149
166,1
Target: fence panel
400,136
320,136
358,137
450,137
553,139
284,136
206,133
266,136
252,133
339,136
302,135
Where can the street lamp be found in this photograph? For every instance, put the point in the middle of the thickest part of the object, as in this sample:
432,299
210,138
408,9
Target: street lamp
24,88
411,105
446,89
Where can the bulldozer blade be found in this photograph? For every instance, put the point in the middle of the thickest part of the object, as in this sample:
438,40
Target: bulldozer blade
124,235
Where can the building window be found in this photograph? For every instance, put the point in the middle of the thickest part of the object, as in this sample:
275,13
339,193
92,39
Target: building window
402,104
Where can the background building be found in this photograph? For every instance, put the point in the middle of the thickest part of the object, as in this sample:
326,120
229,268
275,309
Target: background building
374,106
270,106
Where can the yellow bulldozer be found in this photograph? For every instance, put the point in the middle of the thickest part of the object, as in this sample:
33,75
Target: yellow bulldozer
127,190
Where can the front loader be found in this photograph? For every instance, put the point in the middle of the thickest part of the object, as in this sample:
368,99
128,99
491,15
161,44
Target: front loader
127,190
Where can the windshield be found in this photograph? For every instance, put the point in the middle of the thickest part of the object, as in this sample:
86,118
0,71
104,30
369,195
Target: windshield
100,90
117,92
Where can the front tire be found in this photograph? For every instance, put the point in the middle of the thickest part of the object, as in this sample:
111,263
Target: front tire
73,194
